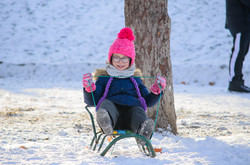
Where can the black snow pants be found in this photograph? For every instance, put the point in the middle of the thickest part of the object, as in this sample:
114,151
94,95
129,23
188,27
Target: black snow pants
241,43
124,117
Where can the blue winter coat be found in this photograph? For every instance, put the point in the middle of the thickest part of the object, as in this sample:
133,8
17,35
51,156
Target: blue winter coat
122,92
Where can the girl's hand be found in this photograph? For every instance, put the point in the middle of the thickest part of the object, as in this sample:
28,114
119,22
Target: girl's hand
88,83
159,85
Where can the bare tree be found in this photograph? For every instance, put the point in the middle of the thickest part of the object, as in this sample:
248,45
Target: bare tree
151,25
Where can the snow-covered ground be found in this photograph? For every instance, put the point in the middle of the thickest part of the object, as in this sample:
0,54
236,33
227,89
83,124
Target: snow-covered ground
46,46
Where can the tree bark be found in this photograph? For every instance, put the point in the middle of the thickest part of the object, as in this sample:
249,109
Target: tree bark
150,23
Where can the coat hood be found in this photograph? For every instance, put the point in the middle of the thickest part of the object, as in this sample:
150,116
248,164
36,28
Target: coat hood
103,72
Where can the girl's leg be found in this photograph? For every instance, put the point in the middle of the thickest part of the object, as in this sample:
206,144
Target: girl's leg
140,123
107,116
135,116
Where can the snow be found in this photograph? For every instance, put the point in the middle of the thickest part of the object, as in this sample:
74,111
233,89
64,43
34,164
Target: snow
46,47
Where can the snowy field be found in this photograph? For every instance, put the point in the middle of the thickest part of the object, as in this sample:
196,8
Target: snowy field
46,47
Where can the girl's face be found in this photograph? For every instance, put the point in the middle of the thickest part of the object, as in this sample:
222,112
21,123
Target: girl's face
120,61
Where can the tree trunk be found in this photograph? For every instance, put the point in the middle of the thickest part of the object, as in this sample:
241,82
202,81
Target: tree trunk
150,23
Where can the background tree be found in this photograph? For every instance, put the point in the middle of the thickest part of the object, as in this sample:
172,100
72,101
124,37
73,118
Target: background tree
151,25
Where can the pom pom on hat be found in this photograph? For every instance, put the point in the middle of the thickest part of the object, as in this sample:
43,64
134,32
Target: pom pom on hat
126,33
123,45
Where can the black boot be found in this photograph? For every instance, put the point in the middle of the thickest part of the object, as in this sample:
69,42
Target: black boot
146,130
104,121
238,86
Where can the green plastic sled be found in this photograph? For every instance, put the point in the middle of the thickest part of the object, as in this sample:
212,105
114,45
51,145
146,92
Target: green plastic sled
99,139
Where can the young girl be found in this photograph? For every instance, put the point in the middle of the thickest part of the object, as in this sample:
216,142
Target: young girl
121,95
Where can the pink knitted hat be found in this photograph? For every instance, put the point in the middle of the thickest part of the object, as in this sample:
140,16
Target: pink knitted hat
124,45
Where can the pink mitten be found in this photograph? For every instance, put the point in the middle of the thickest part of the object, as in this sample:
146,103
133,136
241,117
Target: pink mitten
88,83
159,85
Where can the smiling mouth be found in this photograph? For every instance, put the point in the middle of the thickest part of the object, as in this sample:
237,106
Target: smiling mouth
120,66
